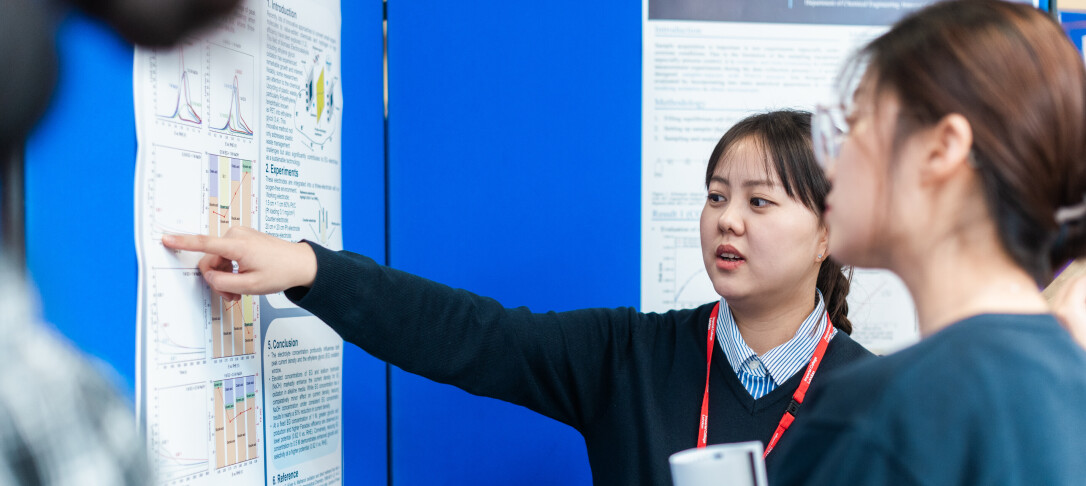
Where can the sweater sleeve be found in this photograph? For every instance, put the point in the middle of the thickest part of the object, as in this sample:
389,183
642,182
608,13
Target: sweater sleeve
558,364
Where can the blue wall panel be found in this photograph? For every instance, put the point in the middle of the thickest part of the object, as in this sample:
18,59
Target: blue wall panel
365,427
1074,23
79,199
514,138
80,165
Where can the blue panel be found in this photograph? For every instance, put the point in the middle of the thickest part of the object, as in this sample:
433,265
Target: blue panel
1074,23
365,429
514,138
80,166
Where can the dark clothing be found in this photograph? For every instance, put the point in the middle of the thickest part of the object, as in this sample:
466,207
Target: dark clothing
993,399
631,383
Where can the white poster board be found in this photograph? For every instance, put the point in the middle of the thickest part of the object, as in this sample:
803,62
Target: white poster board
238,126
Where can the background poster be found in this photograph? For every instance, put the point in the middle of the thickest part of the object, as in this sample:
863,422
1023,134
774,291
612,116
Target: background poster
705,66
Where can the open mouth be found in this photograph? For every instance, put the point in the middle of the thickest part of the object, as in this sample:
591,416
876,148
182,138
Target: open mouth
728,258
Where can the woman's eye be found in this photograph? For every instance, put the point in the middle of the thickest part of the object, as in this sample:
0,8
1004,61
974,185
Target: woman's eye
716,198
758,202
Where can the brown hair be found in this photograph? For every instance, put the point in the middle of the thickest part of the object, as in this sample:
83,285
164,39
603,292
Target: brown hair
1011,71
784,137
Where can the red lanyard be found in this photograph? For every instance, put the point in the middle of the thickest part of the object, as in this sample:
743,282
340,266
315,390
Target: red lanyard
797,397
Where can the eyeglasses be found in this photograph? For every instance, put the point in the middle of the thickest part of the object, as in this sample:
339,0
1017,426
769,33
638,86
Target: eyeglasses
828,131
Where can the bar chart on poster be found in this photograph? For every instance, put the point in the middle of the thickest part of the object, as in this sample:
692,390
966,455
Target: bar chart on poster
235,413
238,128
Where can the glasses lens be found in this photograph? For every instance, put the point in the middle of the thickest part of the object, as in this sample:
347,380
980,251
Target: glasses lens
828,131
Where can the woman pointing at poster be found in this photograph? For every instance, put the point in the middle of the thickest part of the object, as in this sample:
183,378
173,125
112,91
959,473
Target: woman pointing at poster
638,387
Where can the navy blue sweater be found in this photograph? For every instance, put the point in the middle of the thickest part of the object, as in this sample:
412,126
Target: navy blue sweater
990,400
631,383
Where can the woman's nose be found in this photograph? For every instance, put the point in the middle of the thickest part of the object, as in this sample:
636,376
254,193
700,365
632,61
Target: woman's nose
730,220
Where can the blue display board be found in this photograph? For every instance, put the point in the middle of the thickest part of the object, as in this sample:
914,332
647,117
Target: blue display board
514,139
365,424
80,164
79,210
1074,23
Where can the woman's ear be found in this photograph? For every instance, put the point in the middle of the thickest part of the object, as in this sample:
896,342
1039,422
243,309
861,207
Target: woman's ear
949,148
822,249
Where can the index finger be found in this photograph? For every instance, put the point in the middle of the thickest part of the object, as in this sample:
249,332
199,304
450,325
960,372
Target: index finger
229,249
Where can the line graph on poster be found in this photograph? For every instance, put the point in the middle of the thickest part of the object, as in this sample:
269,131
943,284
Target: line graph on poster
230,91
682,276
177,193
179,314
177,81
177,411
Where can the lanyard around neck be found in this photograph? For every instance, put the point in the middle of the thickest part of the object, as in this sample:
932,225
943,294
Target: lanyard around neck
797,397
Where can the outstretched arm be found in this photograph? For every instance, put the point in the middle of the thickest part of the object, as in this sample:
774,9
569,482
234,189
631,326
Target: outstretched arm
562,365
266,264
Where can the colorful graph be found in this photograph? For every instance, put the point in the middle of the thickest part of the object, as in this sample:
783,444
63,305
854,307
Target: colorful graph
178,84
317,109
231,89
235,122
178,452
235,409
230,203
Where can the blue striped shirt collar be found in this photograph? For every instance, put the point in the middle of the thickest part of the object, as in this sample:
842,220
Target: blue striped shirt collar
780,362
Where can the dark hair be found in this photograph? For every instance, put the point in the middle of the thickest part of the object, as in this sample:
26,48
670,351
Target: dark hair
784,137
1013,74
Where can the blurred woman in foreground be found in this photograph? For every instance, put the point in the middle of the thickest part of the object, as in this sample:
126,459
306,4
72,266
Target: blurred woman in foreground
958,160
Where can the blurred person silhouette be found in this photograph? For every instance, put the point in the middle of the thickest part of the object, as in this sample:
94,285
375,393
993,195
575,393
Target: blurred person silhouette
973,192
62,421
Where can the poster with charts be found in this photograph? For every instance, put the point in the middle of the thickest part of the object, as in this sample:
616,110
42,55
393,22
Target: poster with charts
238,125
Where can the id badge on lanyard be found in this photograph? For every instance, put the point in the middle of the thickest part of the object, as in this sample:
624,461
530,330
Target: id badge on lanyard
797,397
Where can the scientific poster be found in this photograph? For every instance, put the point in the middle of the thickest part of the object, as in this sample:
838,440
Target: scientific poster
238,126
